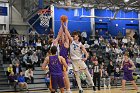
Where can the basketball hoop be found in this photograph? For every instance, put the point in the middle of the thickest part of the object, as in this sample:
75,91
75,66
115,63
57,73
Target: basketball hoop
44,17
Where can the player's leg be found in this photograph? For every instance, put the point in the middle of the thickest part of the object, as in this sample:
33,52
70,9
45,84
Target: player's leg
123,85
134,84
77,75
94,79
60,82
76,66
83,66
53,83
66,81
89,78
98,79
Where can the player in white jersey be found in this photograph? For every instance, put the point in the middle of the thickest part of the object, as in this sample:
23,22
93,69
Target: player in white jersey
76,53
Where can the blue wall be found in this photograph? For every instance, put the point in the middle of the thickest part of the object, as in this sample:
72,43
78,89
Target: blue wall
75,23
110,25
84,24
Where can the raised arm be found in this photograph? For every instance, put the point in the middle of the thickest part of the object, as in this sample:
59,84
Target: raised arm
55,42
66,42
46,61
66,31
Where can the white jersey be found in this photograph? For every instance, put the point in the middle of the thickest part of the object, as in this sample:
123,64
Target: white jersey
75,50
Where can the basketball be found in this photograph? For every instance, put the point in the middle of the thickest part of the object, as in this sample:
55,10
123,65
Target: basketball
64,18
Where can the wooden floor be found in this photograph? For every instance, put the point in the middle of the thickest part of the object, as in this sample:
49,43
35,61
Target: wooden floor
114,90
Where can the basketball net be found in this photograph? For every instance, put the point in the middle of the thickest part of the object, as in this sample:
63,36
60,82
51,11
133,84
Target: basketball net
44,17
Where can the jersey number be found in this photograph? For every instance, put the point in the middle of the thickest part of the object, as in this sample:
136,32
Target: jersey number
75,46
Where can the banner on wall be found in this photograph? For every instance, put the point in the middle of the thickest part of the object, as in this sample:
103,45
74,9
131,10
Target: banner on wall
3,11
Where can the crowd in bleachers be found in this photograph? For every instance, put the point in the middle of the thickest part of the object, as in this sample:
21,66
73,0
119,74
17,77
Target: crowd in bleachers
30,50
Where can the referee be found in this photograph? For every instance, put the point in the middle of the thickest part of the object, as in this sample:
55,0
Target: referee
97,73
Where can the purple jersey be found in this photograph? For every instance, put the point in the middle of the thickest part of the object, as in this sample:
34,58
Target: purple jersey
127,65
63,51
55,67
127,73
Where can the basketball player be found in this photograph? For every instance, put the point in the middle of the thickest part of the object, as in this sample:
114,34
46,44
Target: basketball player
76,53
62,43
63,51
55,64
128,67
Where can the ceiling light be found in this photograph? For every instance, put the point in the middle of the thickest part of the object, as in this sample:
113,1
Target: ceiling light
126,0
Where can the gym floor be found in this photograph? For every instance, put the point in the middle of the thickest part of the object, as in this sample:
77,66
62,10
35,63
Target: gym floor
112,90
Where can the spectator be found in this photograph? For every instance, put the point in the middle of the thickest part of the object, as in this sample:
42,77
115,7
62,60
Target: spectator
1,57
118,50
23,51
120,35
17,69
117,74
131,53
96,44
136,37
51,33
86,45
110,70
96,34
27,60
29,75
105,76
38,44
94,58
12,56
40,56
9,69
124,41
84,36
101,39
100,59
47,80
34,59
138,61
21,81
119,59
14,61
12,80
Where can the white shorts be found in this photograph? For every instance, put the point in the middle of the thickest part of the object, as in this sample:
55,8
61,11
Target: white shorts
78,65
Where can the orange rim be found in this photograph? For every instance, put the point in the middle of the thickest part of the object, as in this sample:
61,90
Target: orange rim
44,11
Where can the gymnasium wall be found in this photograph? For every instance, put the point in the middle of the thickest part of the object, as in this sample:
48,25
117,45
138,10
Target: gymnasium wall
114,26
75,22
84,24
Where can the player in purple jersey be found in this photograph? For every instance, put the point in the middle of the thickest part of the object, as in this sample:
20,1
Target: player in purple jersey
55,64
63,51
62,43
128,67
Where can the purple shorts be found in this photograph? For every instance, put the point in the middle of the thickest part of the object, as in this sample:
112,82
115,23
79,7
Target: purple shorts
128,77
57,81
